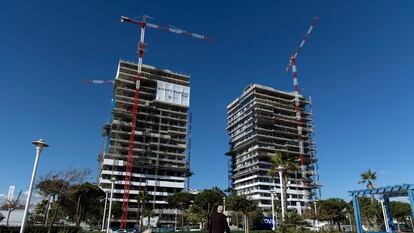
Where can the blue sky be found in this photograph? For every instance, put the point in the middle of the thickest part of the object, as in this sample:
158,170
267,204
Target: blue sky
357,67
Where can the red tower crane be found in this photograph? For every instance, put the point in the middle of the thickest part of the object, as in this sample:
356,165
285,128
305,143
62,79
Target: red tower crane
143,24
298,110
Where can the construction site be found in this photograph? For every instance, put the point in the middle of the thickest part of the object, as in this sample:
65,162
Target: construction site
147,149
261,122
265,121
160,166
110,114
146,157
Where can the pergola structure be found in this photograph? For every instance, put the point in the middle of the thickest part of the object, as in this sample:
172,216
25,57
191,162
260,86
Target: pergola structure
384,194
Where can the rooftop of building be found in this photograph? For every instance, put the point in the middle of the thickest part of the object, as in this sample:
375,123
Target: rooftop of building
253,86
157,68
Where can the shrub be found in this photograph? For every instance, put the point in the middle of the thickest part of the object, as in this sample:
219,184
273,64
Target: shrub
41,229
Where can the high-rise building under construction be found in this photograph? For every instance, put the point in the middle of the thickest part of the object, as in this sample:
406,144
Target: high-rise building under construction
160,166
261,122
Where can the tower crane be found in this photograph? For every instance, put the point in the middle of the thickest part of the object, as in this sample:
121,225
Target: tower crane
292,67
143,25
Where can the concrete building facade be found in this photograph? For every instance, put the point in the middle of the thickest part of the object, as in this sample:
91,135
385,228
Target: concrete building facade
160,165
261,122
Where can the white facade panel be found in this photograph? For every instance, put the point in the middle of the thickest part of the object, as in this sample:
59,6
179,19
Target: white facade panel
173,93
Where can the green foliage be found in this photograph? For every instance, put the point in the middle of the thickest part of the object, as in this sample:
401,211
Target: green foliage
116,209
57,184
196,215
299,230
367,178
204,203
52,186
244,205
143,197
283,160
41,229
371,213
400,210
241,203
289,164
332,209
180,200
293,223
83,202
209,199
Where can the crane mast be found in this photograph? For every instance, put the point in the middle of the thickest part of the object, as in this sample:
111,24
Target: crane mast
141,50
298,109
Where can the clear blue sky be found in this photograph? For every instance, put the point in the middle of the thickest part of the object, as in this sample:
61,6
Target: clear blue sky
357,67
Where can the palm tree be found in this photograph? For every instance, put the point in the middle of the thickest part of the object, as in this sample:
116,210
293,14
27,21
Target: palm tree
288,164
143,197
368,177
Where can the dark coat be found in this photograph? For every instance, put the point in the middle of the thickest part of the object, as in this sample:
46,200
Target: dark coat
218,224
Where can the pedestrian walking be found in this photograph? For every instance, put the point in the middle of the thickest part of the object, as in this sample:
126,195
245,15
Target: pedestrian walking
218,222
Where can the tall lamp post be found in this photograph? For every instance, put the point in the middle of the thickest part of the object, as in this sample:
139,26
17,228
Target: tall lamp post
274,218
110,204
281,170
104,213
175,222
40,144
316,222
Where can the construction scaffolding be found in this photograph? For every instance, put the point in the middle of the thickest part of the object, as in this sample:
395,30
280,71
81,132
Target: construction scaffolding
159,165
261,122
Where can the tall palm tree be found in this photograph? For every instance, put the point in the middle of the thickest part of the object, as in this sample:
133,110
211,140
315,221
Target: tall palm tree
367,178
287,162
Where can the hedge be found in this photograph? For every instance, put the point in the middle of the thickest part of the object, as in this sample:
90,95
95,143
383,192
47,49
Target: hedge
41,229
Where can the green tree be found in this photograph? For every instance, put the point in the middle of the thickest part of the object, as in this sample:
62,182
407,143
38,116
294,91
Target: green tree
207,200
293,223
243,205
196,215
180,201
368,178
332,209
40,211
87,198
57,184
371,213
143,199
400,211
283,160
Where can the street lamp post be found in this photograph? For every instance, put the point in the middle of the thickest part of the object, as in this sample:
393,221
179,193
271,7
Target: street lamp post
110,204
175,222
104,213
40,144
281,170
272,194
316,222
